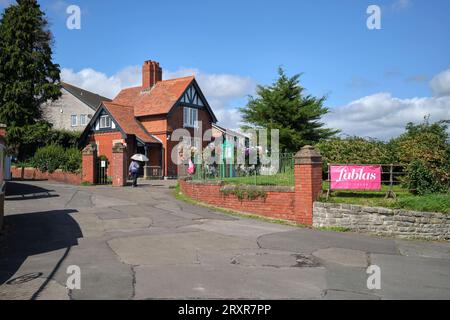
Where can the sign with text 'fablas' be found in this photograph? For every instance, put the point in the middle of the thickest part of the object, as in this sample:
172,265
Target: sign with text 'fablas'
355,177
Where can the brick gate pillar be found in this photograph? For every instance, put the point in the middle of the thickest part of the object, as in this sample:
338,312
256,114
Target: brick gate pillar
308,183
89,164
119,165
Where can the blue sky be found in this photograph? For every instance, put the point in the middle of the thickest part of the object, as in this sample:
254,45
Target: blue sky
372,78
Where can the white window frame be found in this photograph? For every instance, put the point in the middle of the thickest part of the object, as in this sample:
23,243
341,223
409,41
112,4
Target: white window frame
85,117
72,117
190,117
106,125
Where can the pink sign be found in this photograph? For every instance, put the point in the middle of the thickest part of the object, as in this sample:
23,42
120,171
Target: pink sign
355,177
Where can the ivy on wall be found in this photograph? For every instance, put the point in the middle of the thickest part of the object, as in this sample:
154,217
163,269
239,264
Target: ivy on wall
244,192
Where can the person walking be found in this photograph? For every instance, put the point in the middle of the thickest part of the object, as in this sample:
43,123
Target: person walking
133,170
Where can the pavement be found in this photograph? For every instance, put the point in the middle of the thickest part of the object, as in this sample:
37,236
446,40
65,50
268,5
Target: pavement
141,243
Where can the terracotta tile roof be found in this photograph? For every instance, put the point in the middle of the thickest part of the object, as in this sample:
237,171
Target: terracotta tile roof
126,120
158,100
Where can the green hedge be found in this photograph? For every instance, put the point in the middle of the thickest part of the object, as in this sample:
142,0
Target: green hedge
53,157
423,150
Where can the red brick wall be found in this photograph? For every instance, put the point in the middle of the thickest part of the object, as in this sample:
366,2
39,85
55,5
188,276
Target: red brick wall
277,204
296,205
57,176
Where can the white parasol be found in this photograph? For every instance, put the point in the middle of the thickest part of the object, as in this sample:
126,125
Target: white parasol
139,157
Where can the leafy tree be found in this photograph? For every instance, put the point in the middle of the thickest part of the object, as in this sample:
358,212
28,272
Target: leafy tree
428,143
421,180
28,77
284,106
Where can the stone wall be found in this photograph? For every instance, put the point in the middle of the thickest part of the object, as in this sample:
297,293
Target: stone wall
383,221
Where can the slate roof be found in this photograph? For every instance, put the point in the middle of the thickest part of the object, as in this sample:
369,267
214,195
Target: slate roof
91,99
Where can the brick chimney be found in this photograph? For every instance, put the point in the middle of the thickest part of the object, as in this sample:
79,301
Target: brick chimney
151,74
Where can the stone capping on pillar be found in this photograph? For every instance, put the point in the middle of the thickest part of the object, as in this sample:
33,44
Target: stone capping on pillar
89,149
308,155
118,147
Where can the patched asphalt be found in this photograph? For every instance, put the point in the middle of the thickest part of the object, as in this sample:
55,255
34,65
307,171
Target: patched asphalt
141,243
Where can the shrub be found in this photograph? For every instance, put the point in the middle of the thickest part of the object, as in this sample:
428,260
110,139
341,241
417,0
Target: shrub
422,181
355,150
428,143
72,161
24,141
49,158
244,192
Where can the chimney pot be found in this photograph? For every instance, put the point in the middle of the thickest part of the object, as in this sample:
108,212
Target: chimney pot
151,74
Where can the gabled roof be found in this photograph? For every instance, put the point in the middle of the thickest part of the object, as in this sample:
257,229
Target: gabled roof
126,121
157,100
91,99
160,99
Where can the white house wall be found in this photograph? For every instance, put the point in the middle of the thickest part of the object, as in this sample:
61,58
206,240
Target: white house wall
60,111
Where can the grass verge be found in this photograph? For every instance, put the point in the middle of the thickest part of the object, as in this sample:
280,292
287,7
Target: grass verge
404,200
334,229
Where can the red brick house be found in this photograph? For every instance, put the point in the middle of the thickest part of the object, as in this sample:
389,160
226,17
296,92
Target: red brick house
144,118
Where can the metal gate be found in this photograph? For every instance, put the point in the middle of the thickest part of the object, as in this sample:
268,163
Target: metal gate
102,171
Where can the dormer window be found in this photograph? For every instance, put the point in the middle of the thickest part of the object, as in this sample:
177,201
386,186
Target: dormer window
105,122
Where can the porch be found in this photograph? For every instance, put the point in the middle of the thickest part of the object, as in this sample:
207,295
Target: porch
154,168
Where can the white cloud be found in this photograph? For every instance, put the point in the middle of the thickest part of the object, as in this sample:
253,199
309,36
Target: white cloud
220,89
95,81
383,116
401,4
440,84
